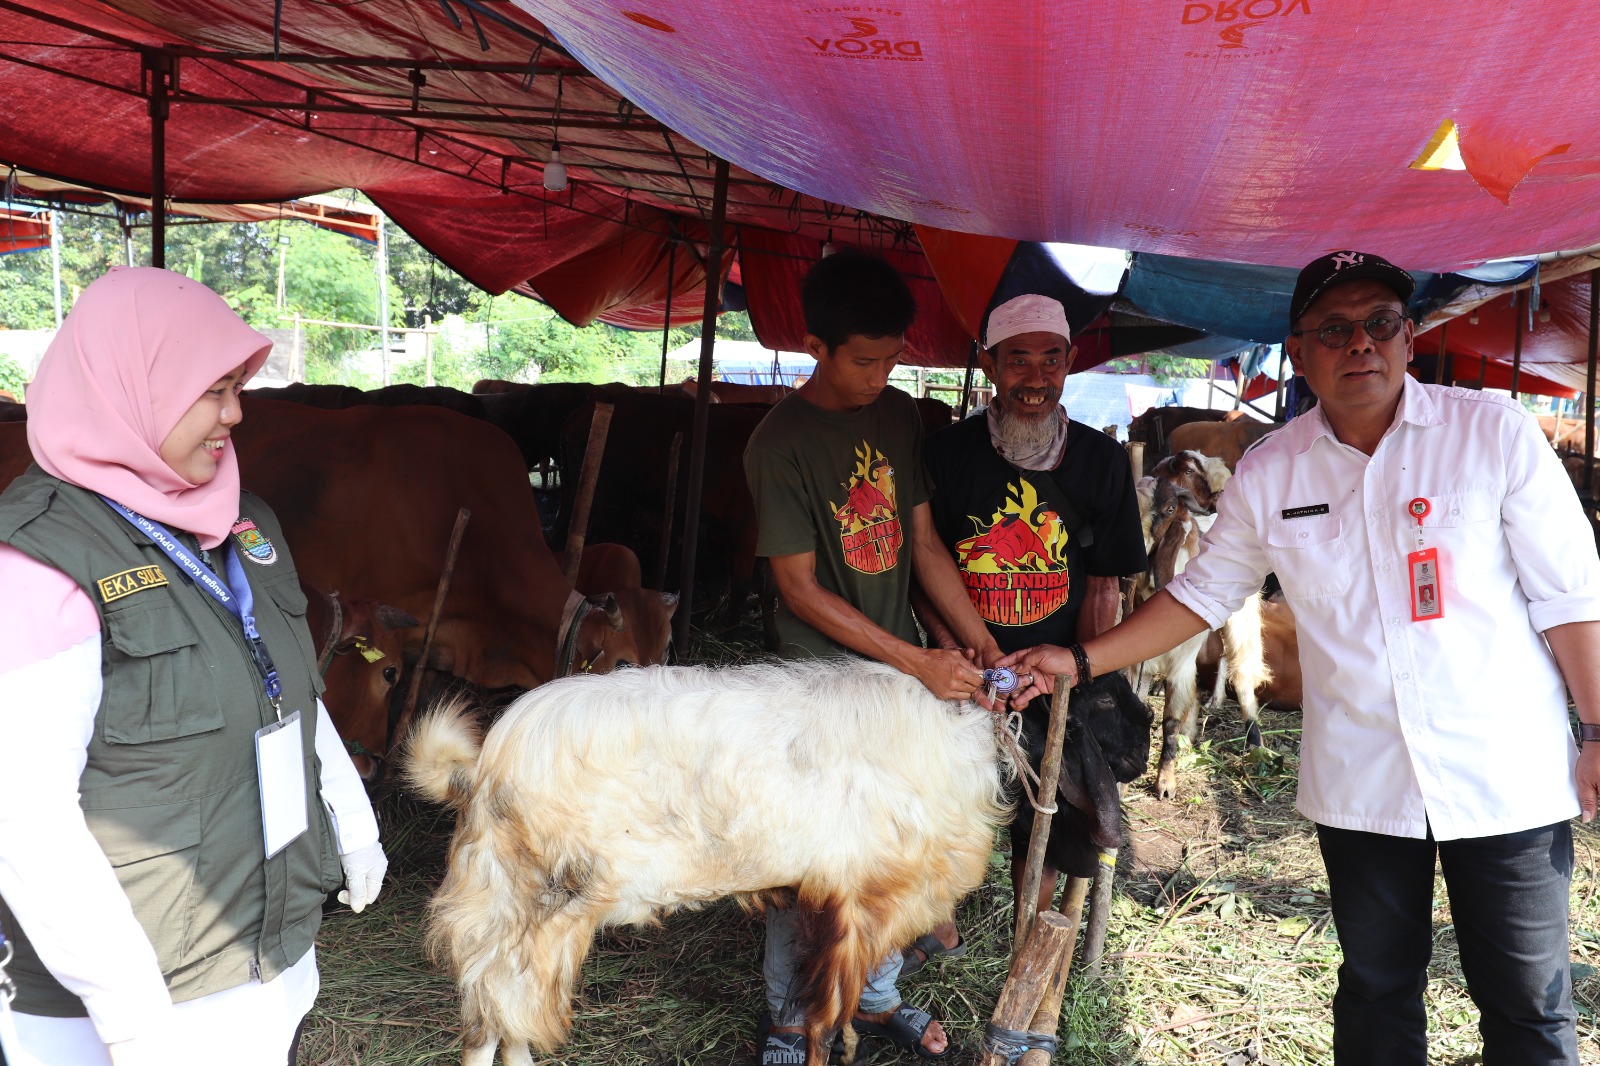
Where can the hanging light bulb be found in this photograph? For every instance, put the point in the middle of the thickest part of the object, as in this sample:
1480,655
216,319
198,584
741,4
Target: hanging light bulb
827,246
1473,318
1544,311
555,171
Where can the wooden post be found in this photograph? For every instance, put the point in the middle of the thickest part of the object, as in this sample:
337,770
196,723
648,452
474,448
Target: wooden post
1049,777
671,508
1094,940
702,411
1444,350
1036,971
297,356
407,712
1047,1017
578,526
1136,458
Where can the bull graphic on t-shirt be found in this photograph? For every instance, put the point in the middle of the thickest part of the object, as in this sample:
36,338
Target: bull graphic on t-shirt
1015,567
869,521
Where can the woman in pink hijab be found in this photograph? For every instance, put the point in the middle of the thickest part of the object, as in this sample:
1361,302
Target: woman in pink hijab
174,802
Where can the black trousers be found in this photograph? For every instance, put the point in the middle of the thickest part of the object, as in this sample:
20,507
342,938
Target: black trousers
1508,897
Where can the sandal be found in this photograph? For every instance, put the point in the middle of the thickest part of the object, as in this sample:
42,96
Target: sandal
789,1049
904,1029
926,948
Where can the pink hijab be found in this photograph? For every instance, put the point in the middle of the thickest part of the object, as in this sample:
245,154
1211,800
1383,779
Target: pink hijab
139,348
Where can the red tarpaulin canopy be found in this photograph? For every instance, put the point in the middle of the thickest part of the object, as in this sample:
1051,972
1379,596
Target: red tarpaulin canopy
1222,131
1555,354
22,230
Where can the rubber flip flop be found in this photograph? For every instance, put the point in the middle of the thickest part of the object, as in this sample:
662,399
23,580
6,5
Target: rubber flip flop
931,947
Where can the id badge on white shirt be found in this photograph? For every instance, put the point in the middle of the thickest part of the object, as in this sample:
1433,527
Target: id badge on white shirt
281,768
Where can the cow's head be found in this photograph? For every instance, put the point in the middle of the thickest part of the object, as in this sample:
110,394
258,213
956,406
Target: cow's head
361,654
631,627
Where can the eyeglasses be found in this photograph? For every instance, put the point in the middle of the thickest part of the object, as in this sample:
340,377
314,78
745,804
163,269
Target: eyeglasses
1381,326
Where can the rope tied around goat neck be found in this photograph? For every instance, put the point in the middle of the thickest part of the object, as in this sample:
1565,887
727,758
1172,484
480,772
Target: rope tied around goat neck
1008,733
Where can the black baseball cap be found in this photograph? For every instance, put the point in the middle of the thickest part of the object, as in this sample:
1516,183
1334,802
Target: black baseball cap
1336,268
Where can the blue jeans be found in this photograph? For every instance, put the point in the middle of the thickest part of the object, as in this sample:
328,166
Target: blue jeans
779,966
1508,898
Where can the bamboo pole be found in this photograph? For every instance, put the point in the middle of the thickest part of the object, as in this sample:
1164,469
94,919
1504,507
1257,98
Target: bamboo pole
578,526
1049,777
403,723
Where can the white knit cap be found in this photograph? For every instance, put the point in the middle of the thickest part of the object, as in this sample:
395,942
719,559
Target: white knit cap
1026,314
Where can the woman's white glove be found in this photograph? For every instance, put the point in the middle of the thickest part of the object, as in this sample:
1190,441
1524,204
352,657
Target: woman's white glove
363,876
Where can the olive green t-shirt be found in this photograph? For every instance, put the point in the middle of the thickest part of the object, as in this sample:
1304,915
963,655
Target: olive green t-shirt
841,484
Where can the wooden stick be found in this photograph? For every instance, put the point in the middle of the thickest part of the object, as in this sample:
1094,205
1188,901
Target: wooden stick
415,689
1049,777
671,508
1048,1015
578,527
1038,969
1094,939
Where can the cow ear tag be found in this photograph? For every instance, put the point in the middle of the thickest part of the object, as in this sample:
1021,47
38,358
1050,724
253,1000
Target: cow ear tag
1423,569
368,652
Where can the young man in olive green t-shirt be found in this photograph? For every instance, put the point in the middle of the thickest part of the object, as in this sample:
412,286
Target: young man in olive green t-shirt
842,505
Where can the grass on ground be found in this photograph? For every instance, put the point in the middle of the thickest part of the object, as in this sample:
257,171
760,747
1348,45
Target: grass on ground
1220,947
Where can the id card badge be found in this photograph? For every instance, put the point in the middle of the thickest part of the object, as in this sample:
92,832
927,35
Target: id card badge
1427,601
281,768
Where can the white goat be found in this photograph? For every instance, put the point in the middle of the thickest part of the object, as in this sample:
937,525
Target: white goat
843,787
1176,506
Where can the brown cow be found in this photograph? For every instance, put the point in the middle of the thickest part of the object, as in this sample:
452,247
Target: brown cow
12,411
614,569
368,497
1225,440
361,655
14,453
1155,426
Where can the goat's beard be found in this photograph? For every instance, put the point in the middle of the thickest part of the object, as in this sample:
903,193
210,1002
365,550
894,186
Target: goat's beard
1023,437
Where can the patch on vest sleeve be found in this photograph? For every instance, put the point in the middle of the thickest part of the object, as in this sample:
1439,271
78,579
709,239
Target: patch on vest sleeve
128,582
253,542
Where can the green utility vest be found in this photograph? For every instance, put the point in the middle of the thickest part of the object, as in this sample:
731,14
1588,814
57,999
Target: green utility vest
170,789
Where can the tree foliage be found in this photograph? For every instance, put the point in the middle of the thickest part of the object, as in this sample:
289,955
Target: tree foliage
329,277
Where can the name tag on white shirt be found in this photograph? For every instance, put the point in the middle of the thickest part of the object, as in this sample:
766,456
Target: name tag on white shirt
1426,601
281,768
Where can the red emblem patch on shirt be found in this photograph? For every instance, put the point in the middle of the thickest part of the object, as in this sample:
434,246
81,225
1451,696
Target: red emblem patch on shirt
869,521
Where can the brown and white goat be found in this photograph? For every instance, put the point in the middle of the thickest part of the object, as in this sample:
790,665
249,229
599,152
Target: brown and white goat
845,788
1177,504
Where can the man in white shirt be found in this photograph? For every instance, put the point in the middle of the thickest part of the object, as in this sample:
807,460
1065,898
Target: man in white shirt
1447,591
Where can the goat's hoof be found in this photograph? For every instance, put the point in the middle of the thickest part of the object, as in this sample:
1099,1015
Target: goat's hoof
1252,736
1167,774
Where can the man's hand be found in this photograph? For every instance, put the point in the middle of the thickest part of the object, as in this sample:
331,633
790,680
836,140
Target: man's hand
1588,778
1036,669
947,674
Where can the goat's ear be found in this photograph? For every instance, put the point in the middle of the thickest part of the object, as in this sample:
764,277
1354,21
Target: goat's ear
670,601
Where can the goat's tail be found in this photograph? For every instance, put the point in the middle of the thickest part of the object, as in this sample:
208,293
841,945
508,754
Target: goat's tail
440,757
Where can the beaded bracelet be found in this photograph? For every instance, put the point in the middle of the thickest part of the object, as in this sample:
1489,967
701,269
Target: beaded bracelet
1081,657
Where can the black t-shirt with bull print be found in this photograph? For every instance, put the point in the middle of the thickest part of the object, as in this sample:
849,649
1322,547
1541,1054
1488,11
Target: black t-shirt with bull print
1006,528
841,484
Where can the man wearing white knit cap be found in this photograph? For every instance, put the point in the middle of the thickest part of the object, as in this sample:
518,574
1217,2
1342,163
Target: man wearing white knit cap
1039,511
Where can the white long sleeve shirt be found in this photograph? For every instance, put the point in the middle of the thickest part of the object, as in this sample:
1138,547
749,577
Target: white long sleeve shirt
53,873
1458,724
